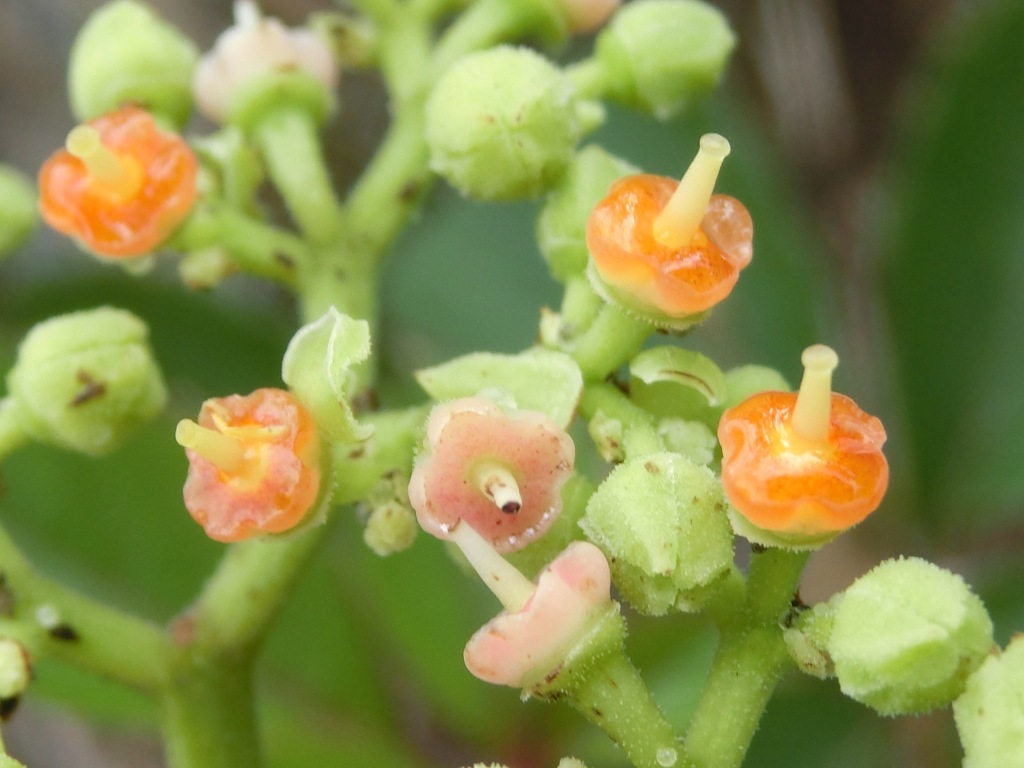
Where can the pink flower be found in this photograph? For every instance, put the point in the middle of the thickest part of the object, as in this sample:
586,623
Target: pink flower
502,472
518,645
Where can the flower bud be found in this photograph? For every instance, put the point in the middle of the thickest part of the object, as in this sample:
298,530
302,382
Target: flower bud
126,53
906,635
85,380
990,713
501,124
15,675
561,226
18,203
258,65
660,55
661,521
585,16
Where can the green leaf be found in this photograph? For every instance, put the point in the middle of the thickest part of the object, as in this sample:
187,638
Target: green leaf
538,379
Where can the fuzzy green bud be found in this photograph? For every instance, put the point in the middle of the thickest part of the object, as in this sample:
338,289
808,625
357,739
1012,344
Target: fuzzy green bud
390,528
661,55
126,53
661,521
906,635
84,381
501,124
990,713
561,226
18,204
15,673
746,380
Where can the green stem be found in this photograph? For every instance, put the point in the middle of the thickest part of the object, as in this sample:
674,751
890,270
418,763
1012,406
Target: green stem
751,659
83,632
613,337
245,593
615,698
590,78
487,23
290,142
12,434
256,247
580,305
640,434
208,717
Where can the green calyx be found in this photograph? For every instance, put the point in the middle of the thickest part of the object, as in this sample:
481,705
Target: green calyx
501,124
126,53
18,203
86,380
262,94
906,636
990,713
661,521
661,55
561,226
602,638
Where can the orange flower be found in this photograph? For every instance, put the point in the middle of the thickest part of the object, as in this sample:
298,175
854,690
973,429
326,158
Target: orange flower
666,250
121,186
801,467
254,464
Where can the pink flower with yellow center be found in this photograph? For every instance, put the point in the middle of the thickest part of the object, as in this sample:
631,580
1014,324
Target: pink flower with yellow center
501,472
254,464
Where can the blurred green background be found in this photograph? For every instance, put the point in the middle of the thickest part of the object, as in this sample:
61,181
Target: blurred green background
878,147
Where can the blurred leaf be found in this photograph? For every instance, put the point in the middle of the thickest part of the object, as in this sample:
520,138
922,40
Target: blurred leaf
954,273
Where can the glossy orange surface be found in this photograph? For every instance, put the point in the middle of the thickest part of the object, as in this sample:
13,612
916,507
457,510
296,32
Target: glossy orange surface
782,482
673,281
135,216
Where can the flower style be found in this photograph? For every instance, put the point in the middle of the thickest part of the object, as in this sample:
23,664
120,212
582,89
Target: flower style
254,464
525,643
253,48
666,251
501,472
799,468
121,186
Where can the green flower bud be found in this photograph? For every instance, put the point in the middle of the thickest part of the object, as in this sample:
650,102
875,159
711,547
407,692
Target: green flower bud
15,674
18,203
84,381
563,219
747,380
126,53
678,383
990,713
660,55
906,635
661,521
390,528
501,124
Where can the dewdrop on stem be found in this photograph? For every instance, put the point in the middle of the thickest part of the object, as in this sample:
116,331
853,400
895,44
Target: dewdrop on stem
675,226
